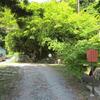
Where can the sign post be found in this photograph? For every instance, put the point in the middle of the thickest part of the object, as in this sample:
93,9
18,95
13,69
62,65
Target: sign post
92,57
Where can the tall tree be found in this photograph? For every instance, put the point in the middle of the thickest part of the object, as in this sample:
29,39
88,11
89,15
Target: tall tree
15,7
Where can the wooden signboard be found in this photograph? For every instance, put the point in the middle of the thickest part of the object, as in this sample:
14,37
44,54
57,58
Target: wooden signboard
92,55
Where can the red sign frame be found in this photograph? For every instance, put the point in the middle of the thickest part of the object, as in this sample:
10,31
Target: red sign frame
92,55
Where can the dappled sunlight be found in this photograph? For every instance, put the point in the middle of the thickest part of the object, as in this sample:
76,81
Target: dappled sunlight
26,64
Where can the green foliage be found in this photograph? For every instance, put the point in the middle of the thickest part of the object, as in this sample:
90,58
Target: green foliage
98,6
86,3
15,7
35,28
83,24
75,57
7,20
7,24
54,28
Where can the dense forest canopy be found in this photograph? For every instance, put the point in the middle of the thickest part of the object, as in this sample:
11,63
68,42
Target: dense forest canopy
36,29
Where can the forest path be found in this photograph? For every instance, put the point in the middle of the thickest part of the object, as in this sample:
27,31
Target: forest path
41,82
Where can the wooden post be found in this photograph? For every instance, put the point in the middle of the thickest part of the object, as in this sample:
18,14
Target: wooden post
78,6
92,76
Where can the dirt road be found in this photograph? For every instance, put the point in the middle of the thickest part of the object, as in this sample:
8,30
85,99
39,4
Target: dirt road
41,82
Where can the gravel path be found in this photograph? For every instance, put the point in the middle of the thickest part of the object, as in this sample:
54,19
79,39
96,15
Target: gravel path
41,82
